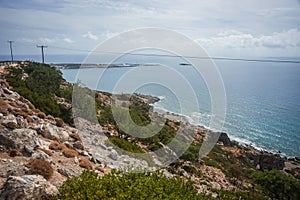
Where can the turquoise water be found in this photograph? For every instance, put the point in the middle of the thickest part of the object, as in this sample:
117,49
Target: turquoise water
263,100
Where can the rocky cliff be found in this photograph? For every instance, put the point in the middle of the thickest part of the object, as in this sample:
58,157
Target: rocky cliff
27,134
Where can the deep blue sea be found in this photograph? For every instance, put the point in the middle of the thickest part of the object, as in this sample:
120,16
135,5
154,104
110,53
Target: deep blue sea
263,99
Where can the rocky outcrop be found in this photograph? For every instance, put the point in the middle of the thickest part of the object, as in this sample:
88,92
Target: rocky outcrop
23,140
225,139
270,161
264,160
31,187
10,121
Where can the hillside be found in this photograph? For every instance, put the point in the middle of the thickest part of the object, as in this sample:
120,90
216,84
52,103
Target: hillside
40,147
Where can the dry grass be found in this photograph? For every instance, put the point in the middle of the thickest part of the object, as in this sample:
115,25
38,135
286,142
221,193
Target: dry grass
46,151
40,167
41,115
75,136
59,122
85,163
14,153
3,107
69,153
56,146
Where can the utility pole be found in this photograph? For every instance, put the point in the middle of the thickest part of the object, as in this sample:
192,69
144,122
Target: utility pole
42,47
11,53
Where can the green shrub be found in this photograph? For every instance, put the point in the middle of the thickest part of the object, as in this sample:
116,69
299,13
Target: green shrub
125,145
42,83
240,195
191,154
212,163
120,186
277,185
192,170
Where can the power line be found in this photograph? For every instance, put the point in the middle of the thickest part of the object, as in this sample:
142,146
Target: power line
11,52
42,47
184,56
168,55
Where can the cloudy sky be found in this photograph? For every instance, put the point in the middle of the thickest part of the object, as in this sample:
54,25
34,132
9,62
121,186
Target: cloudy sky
235,28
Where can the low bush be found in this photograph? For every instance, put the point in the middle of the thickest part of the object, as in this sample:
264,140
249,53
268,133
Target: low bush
277,185
118,185
191,154
125,145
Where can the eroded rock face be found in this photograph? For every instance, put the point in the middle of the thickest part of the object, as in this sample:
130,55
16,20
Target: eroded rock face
27,187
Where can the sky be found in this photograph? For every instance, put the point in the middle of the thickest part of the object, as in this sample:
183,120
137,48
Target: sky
232,28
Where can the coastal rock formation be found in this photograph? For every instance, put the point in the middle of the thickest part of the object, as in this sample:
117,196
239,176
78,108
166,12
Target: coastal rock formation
264,160
26,133
225,139
270,161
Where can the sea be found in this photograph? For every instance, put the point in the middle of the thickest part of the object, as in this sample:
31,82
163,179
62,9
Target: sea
262,99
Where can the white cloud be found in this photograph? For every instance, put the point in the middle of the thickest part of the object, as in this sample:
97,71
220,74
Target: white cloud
109,34
247,24
91,36
47,40
236,39
68,40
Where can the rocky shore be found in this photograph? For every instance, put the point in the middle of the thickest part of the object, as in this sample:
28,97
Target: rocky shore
38,152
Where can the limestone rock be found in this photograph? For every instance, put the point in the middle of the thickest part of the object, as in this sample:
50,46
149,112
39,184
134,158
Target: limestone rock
78,145
53,132
27,187
23,140
113,155
10,122
69,172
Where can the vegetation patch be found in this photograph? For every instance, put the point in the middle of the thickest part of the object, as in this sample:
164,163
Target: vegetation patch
118,185
125,145
277,185
40,84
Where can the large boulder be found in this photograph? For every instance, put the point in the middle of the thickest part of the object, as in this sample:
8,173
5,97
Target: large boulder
53,132
225,139
33,187
24,140
10,122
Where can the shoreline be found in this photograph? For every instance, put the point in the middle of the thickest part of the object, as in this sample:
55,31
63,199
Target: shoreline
235,139
151,100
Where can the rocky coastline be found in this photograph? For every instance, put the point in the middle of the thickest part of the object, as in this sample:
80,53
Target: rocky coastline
28,136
